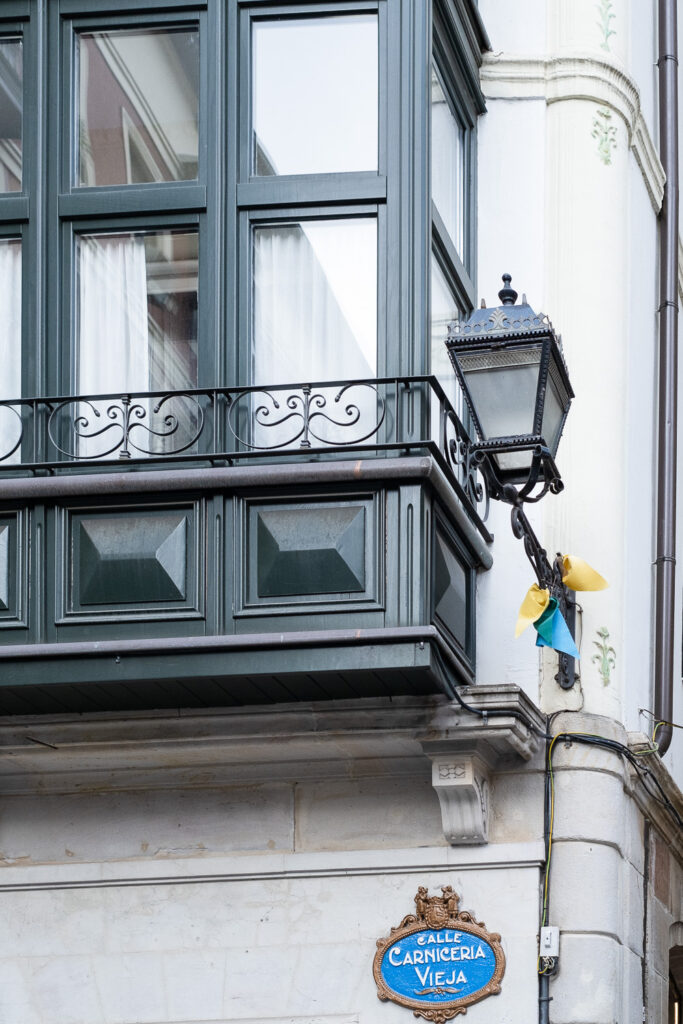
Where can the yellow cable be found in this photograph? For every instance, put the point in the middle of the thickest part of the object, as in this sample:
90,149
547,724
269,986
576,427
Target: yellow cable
552,823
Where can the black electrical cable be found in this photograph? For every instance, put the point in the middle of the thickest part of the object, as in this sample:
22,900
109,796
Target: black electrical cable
589,740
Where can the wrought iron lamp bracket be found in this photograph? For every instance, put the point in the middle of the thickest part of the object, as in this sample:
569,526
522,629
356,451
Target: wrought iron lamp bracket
543,474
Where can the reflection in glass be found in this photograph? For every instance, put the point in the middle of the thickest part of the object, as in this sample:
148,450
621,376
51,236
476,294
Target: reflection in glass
315,311
137,312
444,309
448,165
138,106
11,106
315,300
10,342
315,95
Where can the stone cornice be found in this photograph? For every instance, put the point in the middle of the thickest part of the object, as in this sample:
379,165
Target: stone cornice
649,799
226,746
555,79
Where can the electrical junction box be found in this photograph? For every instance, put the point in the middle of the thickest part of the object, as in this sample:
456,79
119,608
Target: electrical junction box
550,942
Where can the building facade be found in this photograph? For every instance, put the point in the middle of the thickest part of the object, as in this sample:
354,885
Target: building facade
259,685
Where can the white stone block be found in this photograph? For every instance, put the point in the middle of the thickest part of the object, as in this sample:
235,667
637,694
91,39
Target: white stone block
114,826
17,995
588,988
516,807
372,813
586,888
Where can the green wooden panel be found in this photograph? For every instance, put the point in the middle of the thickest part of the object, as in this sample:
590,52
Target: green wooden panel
319,556
4,567
13,574
131,558
128,559
310,551
450,589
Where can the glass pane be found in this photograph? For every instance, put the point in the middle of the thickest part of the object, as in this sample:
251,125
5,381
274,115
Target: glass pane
136,331
11,106
444,310
10,347
553,414
503,387
137,312
315,95
138,106
448,165
315,318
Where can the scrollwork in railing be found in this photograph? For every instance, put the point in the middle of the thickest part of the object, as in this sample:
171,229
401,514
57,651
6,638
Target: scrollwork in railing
75,432
264,410
465,466
11,430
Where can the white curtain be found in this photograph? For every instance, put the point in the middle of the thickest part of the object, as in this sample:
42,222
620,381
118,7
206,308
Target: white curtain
315,319
10,344
113,336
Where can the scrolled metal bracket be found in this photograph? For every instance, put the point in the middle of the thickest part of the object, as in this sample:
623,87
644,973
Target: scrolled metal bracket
543,477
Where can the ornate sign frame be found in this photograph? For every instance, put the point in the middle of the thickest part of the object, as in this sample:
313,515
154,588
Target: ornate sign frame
436,913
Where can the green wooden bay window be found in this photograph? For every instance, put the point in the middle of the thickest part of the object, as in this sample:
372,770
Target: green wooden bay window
219,215
195,159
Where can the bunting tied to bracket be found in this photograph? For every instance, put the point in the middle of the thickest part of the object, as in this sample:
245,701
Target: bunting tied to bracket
438,961
539,608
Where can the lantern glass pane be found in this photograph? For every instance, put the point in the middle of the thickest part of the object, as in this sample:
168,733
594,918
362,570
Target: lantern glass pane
503,385
553,413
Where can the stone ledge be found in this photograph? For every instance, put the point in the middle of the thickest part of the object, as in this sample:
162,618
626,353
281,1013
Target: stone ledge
648,801
219,747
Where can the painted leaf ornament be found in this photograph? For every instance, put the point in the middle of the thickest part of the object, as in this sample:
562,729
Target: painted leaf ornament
579,575
553,631
533,606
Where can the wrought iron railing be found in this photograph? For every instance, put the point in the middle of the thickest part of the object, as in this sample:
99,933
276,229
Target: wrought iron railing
224,425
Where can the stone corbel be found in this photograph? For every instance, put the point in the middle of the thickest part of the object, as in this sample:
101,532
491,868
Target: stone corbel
466,749
461,782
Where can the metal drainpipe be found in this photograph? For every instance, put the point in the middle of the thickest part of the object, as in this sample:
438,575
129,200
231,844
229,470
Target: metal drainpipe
667,412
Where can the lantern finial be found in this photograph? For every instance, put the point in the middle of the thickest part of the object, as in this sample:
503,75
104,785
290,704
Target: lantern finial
507,295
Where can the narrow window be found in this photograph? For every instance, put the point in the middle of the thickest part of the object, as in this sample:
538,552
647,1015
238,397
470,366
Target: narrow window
10,347
448,165
11,110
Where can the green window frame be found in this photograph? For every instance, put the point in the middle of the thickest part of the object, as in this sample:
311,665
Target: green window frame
227,200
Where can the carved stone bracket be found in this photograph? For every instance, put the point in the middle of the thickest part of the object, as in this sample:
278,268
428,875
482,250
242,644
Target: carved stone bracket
462,786
466,749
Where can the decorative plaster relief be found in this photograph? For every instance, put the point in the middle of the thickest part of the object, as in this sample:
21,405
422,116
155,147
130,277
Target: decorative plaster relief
605,16
605,659
556,79
462,786
606,134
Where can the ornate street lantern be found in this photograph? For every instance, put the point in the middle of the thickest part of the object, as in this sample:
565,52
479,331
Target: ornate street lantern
515,382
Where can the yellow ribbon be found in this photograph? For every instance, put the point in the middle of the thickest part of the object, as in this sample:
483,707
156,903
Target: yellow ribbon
533,606
579,575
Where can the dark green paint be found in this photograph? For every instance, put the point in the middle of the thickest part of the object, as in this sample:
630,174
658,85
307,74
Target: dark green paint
127,559
222,566
310,551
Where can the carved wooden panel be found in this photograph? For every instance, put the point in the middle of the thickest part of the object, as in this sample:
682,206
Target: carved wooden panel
311,552
13,569
131,561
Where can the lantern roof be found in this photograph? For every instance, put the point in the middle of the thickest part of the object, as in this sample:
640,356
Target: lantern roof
507,319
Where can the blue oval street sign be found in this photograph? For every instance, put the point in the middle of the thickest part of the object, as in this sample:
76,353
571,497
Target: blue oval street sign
438,961
438,966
